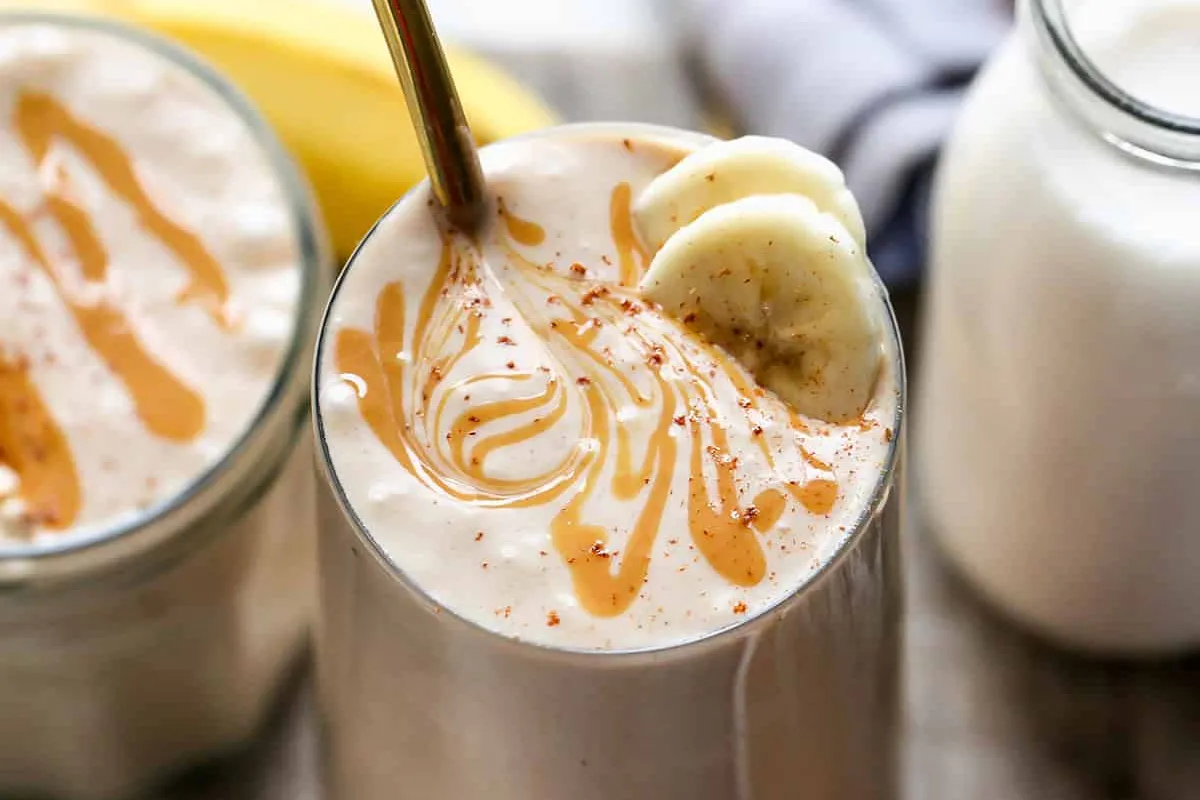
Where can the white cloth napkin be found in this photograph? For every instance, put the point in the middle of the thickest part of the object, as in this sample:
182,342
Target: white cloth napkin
874,84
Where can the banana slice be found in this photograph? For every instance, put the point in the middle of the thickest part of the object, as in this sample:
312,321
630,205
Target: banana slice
783,287
727,171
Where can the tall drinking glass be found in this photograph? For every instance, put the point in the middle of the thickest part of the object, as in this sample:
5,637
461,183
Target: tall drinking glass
797,699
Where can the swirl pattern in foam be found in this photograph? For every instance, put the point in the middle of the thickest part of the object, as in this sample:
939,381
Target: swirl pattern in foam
548,455
149,279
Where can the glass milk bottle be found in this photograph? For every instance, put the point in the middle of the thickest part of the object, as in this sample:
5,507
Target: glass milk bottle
1059,412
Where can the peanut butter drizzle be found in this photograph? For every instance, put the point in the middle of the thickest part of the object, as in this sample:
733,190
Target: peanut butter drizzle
408,413
166,406
628,481
522,231
720,531
583,545
374,365
39,119
469,422
32,444
93,261
631,255
75,222
818,496
770,505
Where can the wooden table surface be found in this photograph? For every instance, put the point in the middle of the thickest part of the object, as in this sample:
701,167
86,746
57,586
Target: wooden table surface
990,714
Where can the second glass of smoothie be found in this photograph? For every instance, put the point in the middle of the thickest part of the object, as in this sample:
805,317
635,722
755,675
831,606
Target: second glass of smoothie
568,548
161,274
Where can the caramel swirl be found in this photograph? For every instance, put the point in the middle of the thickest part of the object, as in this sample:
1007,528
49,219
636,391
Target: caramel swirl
33,445
167,406
40,120
398,405
31,442
632,255
520,230
403,375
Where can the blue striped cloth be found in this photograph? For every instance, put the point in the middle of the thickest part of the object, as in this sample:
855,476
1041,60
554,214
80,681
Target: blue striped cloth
873,84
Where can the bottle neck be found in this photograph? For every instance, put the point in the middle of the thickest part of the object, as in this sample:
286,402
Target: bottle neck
1127,122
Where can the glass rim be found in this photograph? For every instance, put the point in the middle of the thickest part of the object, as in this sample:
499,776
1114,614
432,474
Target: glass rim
1051,20
311,249
878,498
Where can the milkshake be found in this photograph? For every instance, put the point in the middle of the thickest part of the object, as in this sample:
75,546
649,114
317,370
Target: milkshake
159,267
572,548
1058,430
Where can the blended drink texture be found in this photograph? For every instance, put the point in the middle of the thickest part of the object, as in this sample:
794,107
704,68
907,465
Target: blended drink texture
150,287
536,449
550,456
150,280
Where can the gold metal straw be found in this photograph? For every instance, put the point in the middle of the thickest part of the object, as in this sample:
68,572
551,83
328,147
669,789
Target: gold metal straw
437,115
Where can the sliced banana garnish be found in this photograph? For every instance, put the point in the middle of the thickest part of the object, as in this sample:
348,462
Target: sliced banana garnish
776,279
727,171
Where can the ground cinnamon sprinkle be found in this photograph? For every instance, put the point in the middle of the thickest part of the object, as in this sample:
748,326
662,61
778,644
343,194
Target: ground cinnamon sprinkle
552,619
591,295
599,551
740,608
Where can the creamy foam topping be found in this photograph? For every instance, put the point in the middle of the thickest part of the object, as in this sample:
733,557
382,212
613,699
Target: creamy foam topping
552,457
148,279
